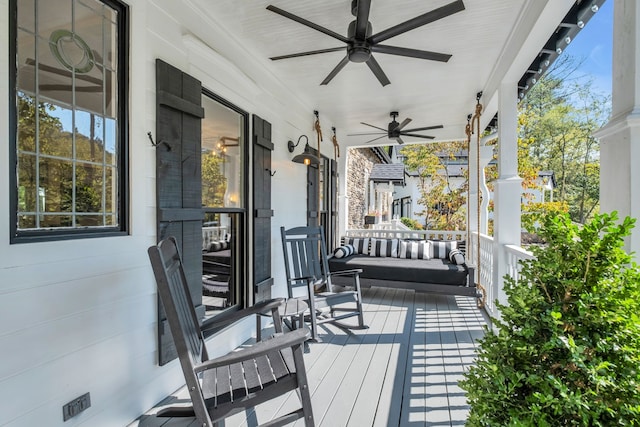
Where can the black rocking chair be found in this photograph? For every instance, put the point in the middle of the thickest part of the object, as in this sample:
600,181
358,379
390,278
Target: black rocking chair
239,380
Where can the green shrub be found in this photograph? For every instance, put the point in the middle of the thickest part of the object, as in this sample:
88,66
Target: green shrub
567,349
411,223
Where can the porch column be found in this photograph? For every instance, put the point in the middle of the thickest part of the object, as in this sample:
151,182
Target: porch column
620,138
508,187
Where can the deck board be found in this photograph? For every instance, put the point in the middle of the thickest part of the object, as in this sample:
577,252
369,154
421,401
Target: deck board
402,371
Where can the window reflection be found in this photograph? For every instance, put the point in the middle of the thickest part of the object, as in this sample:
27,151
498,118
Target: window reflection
67,114
222,154
223,251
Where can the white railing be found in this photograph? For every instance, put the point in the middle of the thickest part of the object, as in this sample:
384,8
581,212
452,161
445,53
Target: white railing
484,271
408,234
514,255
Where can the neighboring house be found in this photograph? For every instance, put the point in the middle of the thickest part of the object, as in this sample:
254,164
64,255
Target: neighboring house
359,197
406,197
543,191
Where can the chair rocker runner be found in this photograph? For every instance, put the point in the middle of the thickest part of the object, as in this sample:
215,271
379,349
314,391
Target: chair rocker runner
240,380
305,258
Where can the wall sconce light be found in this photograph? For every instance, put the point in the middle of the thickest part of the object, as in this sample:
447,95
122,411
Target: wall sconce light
306,157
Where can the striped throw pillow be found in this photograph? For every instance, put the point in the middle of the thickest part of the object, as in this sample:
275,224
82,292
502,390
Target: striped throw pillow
217,246
440,249
360,244
456,257
344,251
420,249
384,248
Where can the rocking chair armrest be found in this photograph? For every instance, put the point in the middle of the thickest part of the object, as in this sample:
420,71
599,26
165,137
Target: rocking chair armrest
346,272
279,342
227,318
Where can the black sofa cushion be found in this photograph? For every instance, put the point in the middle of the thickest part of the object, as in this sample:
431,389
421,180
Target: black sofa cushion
438,271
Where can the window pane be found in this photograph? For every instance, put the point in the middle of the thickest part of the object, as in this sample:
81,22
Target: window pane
221,285
89,220
26,15
110,60
27,191
110,142
52,15
111,194
89,136
223,145
26,62
55,221
55,124
27,123
88,188
56,177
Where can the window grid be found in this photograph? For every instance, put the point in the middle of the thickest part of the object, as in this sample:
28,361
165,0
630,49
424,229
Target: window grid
108,214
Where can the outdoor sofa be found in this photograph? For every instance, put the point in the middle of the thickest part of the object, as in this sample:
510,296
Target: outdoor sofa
423,265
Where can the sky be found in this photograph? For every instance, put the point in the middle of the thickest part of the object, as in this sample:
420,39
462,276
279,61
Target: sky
594,44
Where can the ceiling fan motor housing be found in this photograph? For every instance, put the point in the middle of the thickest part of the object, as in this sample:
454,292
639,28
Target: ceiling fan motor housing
358,50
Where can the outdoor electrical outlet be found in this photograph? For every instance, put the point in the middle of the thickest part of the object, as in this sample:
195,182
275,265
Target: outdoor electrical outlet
76,406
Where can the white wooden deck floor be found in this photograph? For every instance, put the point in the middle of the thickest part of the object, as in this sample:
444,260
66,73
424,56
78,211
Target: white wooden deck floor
402,371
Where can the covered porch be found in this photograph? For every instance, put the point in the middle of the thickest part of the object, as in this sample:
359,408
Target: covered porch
82,314
403,370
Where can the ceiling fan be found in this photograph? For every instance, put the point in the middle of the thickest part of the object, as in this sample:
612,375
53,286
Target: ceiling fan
361,43
396,130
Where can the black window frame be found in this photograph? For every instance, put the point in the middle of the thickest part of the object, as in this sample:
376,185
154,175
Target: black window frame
39,235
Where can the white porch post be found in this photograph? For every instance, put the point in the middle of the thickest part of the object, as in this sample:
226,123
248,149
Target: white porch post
508,187
372,196
472,199
620,138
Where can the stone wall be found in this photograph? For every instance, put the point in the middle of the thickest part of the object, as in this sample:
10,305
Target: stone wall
359,164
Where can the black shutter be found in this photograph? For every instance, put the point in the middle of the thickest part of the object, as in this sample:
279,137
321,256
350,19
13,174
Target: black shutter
262,147
178,181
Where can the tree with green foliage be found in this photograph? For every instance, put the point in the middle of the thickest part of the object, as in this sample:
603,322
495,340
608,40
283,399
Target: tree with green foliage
557,120
214,183
566,351
444,204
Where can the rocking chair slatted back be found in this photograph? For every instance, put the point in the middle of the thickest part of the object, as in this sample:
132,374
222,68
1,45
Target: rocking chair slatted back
303,259
306,266
240,380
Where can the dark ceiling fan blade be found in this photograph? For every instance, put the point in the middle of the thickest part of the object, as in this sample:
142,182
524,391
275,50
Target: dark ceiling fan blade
415,135
311,52
403,124
423,128
362,19
308,23
377,70
367,133
375,139
367,124
336,70
418,21
400,141
412,53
